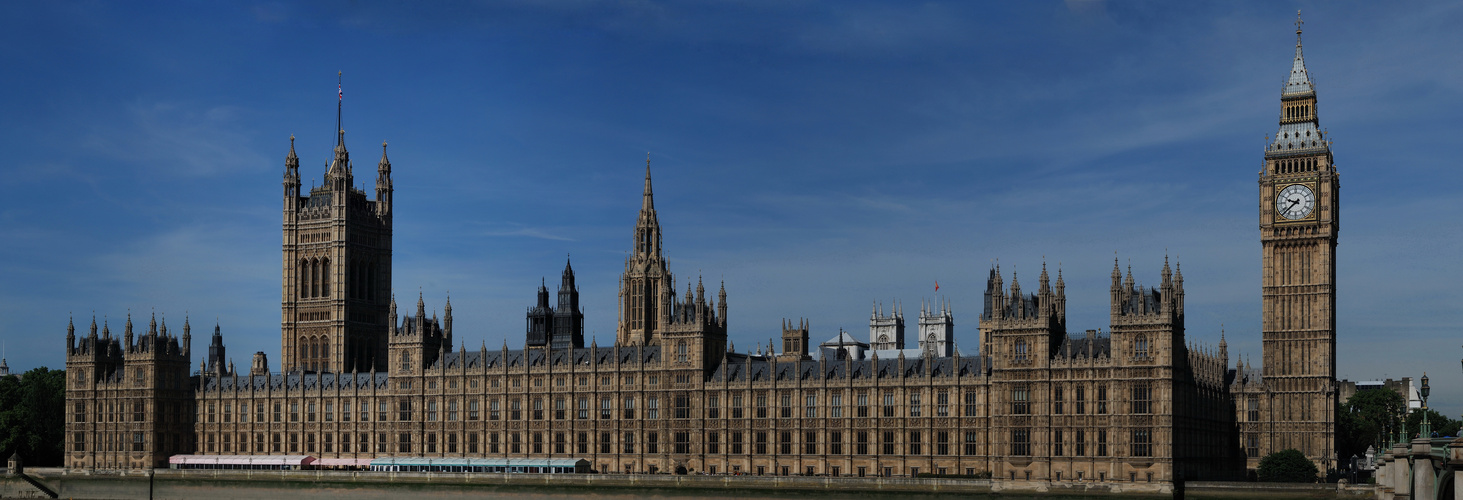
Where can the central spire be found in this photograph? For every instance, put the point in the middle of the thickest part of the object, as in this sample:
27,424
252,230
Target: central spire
649,202
647,228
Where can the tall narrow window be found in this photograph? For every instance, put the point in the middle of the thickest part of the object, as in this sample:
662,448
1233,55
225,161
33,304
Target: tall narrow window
1021,442
1140,347
1141,397
325,281
1142,442
1020,400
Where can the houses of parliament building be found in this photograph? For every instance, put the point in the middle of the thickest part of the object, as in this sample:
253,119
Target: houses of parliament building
359,377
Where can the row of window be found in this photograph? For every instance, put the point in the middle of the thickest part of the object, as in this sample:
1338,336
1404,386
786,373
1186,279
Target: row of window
124,441
537,409
133,411
1140,444
1140,403
713,442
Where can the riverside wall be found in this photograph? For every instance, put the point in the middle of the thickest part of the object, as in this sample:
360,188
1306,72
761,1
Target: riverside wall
310,485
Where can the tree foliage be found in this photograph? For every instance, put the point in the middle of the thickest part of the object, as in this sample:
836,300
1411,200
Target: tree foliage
1365,419
1441,425
32,416
1287,466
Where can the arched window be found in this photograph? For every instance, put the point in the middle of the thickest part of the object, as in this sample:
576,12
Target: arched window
304,348
314,278
324,347
1140,346
1020,350
325,273
314,348
303,270
681,351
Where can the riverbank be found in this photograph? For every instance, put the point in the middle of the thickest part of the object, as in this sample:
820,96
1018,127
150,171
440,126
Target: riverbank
310,485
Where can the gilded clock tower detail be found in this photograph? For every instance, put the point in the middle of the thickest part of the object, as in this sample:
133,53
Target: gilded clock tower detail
1299,221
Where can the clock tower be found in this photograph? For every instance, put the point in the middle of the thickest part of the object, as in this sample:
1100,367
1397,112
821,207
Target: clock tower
1299,220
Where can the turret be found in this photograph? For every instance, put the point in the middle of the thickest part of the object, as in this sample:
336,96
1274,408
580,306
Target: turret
216,354
1060,300
391,316
721,304
447,320
383,184
568,323
127,338
540,320
70,336
291,178
187,340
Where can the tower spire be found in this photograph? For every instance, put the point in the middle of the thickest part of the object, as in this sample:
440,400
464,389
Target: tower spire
649,202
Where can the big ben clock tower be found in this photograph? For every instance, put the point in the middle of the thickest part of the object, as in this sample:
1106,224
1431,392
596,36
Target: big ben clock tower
1299,220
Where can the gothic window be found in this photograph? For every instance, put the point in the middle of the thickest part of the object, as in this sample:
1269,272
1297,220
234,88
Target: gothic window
1021,442
1020,351
681,351
1142,442
1141,396
304,273
1020,400
325,273
314,278
1140,347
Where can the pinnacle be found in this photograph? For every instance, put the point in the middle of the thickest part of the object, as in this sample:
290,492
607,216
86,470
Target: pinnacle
649,202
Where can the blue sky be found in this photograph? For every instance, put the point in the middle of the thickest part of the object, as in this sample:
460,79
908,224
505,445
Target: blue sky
818,157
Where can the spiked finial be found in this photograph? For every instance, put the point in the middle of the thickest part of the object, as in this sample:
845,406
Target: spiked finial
649,202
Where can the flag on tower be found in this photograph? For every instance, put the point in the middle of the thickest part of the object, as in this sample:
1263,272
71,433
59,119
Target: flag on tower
937,285
339,92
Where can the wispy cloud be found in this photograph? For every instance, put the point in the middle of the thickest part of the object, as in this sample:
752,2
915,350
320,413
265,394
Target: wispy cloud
181,139
529,232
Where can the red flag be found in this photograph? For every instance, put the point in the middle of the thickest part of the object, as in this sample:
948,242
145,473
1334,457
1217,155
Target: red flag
340,92
937,285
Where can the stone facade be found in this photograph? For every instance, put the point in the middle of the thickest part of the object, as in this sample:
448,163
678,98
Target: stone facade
672,394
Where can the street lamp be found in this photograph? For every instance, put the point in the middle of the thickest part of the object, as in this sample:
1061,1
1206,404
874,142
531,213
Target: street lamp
1427,431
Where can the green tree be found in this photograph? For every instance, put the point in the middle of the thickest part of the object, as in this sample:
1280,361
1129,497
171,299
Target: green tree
1442,425
32,416
1287,466
1367,418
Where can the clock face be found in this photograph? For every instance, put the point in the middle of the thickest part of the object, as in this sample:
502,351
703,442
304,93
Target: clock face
1295,202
